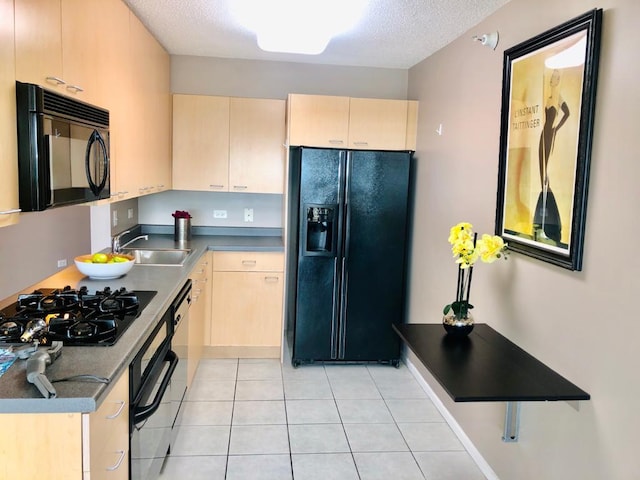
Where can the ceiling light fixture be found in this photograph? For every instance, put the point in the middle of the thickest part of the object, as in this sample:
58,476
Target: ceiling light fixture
297,26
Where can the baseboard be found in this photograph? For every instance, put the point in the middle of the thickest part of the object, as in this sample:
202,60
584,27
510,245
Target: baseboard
240,352
455,426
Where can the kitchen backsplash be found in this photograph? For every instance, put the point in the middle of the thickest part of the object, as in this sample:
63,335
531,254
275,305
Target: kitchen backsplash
215,209
41,244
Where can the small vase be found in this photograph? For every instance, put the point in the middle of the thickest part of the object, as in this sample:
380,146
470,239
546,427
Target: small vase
458,326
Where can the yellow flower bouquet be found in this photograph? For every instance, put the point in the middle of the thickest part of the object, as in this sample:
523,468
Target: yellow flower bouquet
467,249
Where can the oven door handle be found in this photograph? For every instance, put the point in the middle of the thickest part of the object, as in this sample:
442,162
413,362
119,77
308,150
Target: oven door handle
142,413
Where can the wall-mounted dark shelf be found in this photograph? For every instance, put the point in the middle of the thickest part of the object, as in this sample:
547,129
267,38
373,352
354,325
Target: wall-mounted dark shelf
485,366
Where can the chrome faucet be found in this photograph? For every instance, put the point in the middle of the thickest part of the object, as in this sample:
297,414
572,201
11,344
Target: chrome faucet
115,241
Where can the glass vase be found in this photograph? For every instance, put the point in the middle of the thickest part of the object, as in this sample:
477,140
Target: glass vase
458,325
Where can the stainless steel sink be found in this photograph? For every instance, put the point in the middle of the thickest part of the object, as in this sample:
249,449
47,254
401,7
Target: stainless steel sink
158,256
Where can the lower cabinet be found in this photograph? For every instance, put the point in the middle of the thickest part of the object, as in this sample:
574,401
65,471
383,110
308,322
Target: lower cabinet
199,313
105,449
247,293
70,446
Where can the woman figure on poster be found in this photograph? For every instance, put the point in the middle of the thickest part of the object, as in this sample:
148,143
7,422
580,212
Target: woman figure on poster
546,221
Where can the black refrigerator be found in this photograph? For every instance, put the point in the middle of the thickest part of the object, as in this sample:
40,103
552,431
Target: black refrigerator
347,254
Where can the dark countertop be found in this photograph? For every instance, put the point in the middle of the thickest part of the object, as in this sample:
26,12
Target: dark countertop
19,396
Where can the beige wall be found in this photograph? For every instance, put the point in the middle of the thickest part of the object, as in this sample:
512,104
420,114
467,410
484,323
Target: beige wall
260,79
575,322
30,250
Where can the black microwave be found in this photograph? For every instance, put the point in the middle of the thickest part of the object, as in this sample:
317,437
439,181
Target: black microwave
63,149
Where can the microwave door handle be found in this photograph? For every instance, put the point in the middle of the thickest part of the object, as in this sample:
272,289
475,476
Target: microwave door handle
93,138
47,190
142,413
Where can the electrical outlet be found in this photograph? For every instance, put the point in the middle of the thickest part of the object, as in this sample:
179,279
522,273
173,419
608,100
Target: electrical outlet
219,214
114,219
62,263
248,214
130,213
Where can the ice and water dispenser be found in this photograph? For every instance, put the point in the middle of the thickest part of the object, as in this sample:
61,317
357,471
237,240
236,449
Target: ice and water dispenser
320,230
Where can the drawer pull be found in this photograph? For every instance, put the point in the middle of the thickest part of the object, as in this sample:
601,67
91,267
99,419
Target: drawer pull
271,279
122,454
117,414
249,263
361,143
216,186
240,187
56,80
336,142
9,212
75,88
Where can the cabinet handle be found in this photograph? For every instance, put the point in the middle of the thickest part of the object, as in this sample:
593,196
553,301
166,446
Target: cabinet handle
336,141
9,212
161,186
75,88
271,279
122,454
364,144
117,414
249,263
56,80
240,187
216,186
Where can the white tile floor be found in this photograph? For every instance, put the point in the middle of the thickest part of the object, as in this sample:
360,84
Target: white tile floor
251,419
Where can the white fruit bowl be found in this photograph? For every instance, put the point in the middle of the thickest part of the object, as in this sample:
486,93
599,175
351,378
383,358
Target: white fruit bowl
104,271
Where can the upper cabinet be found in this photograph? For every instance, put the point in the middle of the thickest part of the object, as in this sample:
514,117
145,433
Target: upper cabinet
201,143
58,44
228,144
377,124
355,123
8,156
318,120
256,145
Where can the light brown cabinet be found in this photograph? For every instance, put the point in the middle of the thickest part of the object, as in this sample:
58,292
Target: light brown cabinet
318,120
377,124
8,164
355,123
246,306
228,144
143,118
199,313
56,45
201,143
70,446
106,447
256,145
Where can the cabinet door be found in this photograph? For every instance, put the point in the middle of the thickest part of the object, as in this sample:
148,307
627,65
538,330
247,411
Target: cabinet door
200,143
8,155
318,120
38,38
81,47
247,309
199,313
256,145
377,124
106,455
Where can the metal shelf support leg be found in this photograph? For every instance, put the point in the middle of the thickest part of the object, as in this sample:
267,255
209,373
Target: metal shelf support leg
511,422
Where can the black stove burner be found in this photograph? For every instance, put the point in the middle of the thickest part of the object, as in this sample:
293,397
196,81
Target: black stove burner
75,317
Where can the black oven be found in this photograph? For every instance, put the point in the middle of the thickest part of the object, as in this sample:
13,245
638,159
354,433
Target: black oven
155,384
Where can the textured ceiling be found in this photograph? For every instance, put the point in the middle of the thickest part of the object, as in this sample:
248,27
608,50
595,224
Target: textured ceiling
391,34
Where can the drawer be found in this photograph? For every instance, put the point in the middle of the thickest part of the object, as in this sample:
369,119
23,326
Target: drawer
248,262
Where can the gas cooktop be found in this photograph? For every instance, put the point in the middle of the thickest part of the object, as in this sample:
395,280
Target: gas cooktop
74,317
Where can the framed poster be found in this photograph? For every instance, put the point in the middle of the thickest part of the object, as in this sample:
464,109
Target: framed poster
548,102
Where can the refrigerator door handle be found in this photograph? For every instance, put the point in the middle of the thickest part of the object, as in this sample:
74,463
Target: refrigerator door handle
335,315
342,324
